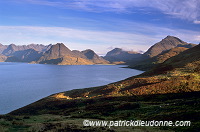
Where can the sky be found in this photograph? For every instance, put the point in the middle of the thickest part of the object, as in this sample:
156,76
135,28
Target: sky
100,25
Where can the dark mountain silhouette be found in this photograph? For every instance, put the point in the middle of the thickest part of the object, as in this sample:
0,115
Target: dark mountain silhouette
117,55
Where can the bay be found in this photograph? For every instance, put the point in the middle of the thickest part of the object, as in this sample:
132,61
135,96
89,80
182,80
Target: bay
22,84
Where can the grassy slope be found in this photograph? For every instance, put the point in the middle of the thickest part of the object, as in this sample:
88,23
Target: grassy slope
168,92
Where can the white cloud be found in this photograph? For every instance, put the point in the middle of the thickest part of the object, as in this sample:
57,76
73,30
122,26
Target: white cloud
74,38
196,22
96,40
183,9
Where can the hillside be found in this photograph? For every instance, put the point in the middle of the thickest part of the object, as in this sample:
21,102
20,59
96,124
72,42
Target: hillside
160,52
148,63
170,91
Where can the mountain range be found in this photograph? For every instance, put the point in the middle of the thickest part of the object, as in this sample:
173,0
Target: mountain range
59,54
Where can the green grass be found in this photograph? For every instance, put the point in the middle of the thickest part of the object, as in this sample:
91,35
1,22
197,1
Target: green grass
181,106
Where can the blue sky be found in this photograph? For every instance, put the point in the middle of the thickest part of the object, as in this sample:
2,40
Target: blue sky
100,25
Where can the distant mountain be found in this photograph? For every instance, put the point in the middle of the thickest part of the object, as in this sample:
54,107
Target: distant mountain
28,55
39,47
22,53
56,51
61,55
117,55
51,54
166,44
12,48
2,48
92,56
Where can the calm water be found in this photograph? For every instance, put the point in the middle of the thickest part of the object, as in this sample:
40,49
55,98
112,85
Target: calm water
22,84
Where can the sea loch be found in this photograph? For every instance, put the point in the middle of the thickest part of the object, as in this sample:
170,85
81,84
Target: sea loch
22,84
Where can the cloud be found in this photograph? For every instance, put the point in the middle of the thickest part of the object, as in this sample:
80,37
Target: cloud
74,38
196,22
183,9
97,40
